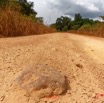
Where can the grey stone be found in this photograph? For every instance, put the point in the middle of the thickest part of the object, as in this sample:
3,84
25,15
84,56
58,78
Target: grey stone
42,80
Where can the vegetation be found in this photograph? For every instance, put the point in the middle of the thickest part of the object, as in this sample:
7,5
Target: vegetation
80,25
102,17
64,23
18,18
95,30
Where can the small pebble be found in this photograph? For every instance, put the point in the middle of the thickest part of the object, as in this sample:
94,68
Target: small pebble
2,98
79,65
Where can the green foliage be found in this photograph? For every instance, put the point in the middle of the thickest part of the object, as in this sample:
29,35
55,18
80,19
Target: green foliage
86,27
27,8
77,17
88,21
102,17
75,27
39,19
9,3
65,28
22,6
62,23
65,23
14,5
78,22
3,3
36,19
53,25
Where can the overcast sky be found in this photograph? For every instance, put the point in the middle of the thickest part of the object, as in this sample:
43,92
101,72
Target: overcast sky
51,9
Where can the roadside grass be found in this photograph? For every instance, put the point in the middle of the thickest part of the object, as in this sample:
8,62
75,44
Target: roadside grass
14,24
94,30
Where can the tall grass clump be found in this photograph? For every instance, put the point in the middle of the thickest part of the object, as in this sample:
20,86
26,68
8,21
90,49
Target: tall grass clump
14,23
94,30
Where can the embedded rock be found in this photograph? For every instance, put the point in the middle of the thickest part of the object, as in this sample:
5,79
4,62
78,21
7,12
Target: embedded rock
42,81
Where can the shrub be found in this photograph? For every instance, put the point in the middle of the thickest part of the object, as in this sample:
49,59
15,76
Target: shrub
75,27
95,30
65,28
85,27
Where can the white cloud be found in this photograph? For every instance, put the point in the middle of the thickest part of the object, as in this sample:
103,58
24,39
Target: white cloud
51,9
89,6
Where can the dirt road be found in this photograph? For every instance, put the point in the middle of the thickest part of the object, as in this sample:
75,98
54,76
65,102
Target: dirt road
80,58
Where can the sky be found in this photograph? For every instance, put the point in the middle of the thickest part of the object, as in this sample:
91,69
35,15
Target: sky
50,10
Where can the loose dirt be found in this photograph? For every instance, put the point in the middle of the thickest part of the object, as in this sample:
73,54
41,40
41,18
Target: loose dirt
79,58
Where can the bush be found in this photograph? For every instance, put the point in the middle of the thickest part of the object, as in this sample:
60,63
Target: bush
96,29
86,27
75,27
65,28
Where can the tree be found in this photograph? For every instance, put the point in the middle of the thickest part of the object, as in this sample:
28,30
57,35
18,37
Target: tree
62,23
65,23
3,3
27,8
39,19
102,17
78,22
22,6
77,17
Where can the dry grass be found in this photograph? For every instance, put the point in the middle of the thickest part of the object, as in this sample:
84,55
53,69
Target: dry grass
15,24
95,30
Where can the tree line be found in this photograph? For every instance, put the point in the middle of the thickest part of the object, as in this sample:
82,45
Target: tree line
65,23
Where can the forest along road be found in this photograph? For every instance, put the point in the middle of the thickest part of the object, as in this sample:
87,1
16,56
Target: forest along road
80,58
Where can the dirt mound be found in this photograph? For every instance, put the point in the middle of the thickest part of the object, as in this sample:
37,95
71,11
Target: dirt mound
42,81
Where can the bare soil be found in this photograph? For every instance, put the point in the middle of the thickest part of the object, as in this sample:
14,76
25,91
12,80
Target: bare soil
79,58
